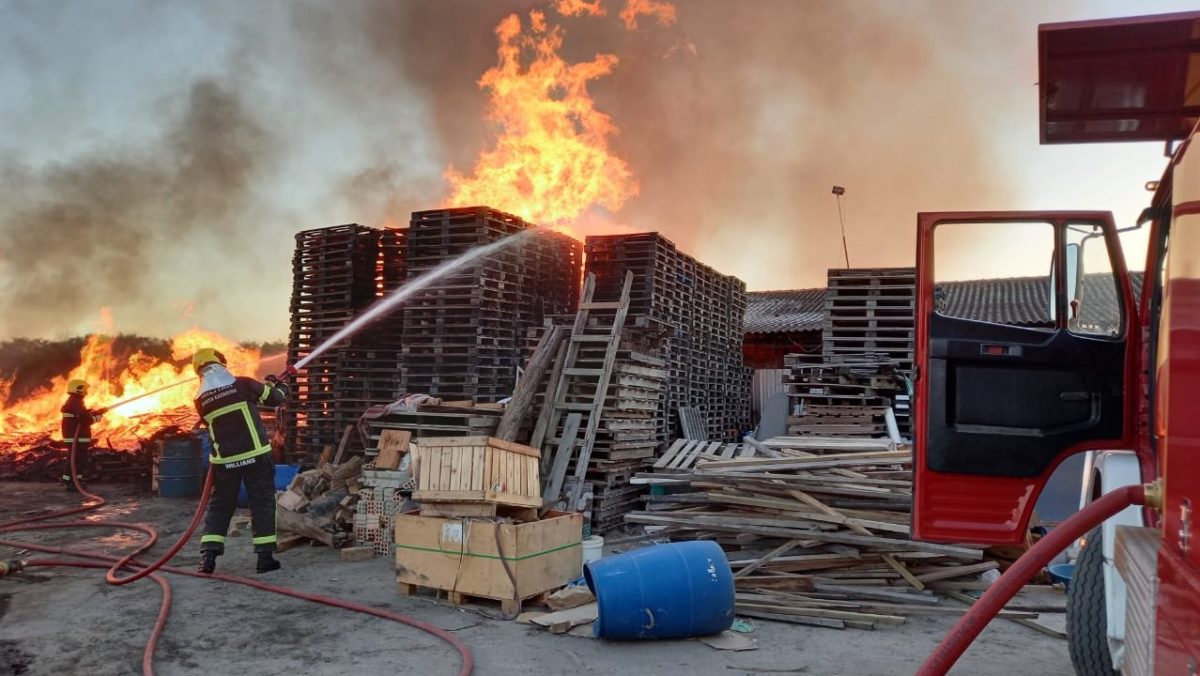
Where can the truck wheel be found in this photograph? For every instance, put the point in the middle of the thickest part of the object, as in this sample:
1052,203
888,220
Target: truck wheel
1087,618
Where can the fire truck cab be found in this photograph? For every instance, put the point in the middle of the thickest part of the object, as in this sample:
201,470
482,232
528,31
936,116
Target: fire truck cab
1083,357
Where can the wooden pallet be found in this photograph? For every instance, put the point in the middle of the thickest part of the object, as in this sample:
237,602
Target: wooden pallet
509,607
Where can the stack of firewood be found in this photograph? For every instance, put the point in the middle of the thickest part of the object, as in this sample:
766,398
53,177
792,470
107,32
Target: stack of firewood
319,504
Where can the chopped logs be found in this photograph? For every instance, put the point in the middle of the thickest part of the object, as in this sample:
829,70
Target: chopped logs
814,539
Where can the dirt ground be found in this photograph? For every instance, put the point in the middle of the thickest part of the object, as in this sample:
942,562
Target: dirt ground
68,621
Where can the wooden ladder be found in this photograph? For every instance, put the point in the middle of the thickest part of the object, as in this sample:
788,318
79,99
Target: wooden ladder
580,414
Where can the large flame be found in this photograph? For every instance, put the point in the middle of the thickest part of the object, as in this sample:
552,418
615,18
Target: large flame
551,160
112,380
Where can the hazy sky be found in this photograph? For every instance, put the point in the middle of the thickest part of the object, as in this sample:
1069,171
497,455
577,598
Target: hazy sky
157,157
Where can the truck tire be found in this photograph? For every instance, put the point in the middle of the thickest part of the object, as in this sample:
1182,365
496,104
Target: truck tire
1087,617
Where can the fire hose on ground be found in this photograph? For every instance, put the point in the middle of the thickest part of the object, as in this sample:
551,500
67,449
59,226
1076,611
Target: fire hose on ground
999,593
114,565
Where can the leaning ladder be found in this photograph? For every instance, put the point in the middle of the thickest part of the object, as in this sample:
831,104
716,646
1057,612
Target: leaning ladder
571,376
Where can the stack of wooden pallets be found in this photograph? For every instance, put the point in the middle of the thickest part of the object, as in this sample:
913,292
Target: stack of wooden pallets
428,421
700,313
337,273
848,397
871,310
463,335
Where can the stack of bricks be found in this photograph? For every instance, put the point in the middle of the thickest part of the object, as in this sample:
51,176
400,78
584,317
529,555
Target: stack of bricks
700,313
463,334
337,273
379,501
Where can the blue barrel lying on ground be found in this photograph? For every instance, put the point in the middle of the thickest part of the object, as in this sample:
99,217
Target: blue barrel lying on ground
665,591
179,468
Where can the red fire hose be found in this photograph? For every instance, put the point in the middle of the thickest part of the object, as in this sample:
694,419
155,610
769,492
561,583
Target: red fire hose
999,594
114,565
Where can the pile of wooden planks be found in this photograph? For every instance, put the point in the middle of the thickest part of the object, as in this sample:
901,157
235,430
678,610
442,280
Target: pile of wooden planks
844,396
817,539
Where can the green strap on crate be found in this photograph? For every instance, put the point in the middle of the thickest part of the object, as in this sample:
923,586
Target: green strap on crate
459,552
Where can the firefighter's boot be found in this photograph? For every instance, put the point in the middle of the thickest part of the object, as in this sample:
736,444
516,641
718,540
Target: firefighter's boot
267,563
208,563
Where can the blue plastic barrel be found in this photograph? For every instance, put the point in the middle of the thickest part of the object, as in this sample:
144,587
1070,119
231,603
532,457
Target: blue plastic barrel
665,591
284,475
205,449
179,473
283,478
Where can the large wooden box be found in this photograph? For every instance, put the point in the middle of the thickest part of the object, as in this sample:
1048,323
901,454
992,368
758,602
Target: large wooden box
460,555
478,469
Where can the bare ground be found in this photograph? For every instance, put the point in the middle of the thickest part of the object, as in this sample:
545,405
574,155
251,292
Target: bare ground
68,621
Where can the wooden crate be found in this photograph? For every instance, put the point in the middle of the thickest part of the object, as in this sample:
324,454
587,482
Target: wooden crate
460,555
478,469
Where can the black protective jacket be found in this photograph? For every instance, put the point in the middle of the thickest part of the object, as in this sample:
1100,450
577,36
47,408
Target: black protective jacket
76,418
231,414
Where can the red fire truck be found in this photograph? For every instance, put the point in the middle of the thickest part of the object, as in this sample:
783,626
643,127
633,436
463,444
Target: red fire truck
1084,357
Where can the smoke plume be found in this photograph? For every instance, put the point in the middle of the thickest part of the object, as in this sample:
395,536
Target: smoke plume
735,119
123,226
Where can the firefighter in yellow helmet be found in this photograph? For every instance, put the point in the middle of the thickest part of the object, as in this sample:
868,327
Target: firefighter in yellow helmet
241,453
77,421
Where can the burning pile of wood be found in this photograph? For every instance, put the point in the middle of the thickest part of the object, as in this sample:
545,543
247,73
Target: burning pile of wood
42,458
815,539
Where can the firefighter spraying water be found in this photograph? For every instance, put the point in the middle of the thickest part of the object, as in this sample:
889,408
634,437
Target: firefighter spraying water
77,421
228,406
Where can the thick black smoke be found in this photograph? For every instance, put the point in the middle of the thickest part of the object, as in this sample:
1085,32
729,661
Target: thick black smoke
110,228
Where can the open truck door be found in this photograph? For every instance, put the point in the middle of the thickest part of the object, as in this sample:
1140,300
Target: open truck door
1015,372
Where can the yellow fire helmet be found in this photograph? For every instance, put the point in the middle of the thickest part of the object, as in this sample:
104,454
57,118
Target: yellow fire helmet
205,356
77,386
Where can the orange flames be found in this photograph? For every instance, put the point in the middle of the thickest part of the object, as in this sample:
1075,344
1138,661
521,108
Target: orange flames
551,161
663,12
112,380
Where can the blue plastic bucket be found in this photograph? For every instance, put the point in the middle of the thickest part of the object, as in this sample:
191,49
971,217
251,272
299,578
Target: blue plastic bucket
179,473
665,591
283,478
1062,572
